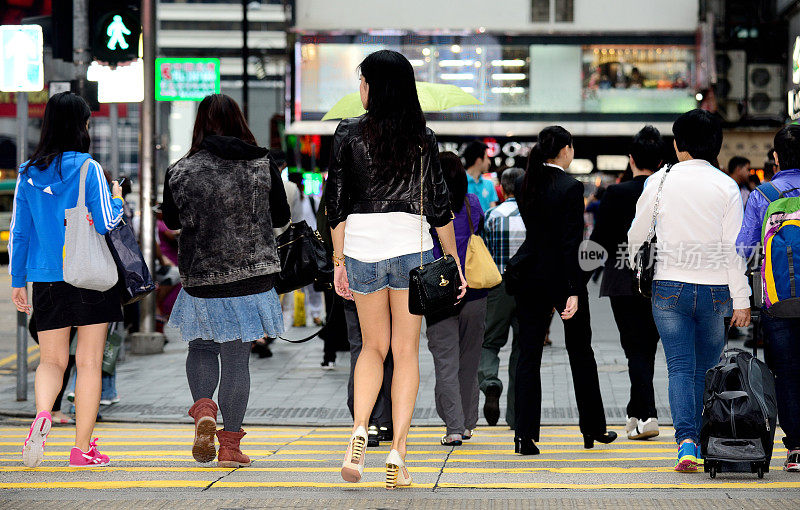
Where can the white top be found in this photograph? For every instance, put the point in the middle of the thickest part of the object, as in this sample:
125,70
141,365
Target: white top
700,214
374,237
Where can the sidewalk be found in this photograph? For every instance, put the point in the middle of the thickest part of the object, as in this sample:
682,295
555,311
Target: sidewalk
291,389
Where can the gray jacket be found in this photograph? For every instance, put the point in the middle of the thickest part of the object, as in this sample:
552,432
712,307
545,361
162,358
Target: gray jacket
225,199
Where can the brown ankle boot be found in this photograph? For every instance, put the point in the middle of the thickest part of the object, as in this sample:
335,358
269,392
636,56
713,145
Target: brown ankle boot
229,453
204,412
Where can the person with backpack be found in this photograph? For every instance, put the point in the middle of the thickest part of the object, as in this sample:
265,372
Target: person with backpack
777,201
699,278
49,184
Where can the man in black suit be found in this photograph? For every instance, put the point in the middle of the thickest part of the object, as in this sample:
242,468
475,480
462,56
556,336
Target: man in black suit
632,313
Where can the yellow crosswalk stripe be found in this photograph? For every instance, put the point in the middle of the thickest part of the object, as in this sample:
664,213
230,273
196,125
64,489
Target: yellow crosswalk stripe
9,360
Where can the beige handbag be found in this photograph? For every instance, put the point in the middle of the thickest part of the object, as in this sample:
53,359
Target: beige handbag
480,270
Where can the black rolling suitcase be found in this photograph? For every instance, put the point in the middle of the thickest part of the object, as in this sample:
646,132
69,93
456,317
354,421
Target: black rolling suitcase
739,415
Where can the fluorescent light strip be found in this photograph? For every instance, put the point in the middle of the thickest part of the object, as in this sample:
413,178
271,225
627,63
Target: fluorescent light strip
508,76
468,90
457,76
456,63
417,62
508,90
508,63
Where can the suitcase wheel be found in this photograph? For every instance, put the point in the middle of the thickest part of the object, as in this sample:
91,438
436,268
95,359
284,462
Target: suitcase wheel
760,472
713,472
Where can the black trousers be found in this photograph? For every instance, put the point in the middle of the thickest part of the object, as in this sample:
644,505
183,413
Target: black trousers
639,338
533,314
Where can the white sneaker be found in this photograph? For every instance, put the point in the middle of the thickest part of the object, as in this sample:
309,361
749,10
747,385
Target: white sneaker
108,402
643,429
328,365
630,425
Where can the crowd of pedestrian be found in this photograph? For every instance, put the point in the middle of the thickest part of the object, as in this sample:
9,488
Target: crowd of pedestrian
393,204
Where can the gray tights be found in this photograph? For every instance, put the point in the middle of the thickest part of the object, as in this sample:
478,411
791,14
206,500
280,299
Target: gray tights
203,372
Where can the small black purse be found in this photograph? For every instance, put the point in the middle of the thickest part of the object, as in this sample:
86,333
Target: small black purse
644,262
433,287
303,258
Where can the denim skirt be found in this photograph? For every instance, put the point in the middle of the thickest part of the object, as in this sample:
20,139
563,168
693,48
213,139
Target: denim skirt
245,318
369,277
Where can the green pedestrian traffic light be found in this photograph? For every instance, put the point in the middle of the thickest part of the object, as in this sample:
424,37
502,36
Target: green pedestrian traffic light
116,29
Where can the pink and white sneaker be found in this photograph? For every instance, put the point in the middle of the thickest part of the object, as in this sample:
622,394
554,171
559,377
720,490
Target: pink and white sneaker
33,448
92,458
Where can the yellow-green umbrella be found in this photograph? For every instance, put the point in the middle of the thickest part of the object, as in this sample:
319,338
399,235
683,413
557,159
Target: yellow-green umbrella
433,97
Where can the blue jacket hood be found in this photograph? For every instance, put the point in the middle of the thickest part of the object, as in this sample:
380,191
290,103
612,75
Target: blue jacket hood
58,176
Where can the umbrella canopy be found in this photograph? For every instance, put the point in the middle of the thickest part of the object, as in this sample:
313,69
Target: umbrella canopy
433,97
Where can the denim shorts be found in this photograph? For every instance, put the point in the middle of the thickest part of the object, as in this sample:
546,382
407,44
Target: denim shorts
369,277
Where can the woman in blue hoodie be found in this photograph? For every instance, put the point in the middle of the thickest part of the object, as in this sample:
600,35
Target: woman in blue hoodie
47,186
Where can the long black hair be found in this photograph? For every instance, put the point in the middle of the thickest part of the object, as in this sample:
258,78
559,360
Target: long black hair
394,126
456,179
64,128
220,115
550,142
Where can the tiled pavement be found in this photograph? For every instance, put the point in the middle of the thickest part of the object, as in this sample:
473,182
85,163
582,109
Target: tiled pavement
291,389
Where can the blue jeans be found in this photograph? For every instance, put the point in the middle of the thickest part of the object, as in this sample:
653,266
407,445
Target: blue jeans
783,358
690,322
369,277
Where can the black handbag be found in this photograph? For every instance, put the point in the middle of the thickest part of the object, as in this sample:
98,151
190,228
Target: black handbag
135,281
644,262
433,287
303,259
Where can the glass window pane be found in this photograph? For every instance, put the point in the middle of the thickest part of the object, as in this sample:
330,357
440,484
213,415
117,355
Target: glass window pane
564,11
540,11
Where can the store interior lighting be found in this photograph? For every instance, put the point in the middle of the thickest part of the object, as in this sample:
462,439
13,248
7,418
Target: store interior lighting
508,90
417,62
457,76
517,62
508,76
455,63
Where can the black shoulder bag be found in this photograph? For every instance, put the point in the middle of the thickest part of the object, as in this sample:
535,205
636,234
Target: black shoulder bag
433,287
644,262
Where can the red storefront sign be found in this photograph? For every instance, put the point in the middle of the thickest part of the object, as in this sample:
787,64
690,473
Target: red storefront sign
37,102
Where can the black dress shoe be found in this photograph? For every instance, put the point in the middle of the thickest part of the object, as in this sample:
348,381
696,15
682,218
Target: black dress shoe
589,439
525,446
491,409
373,436
385,434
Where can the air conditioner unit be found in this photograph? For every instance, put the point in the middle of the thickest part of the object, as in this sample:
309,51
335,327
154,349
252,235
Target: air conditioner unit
765,95
731,67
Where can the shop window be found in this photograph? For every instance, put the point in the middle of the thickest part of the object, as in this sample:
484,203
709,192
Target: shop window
564,11
549,11
540,11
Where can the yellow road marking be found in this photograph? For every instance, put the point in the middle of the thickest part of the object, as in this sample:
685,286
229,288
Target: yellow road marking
13,358
127,484
624,486
343,444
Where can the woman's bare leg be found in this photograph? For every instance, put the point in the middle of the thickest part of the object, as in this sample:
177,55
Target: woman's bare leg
376,329
405,352
88,361
54,355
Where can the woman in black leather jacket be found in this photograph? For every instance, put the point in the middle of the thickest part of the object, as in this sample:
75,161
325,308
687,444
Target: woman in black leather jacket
385,191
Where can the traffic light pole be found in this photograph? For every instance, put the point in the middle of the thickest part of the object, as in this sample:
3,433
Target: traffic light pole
245,61
22,318
81,53
147,341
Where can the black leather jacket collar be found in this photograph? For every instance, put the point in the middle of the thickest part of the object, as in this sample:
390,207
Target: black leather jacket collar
355,184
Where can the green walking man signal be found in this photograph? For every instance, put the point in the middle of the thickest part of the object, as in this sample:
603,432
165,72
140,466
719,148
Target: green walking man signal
116,28
116,33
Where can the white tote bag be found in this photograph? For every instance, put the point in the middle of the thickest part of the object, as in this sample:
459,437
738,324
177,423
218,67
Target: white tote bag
88,263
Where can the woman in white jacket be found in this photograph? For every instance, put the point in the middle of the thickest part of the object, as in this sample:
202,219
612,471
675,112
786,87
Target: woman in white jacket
699,277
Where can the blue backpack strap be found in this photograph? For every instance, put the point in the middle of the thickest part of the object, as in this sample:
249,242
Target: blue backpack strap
769,191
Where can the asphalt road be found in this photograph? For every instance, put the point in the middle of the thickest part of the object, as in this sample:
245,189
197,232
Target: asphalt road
297,467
